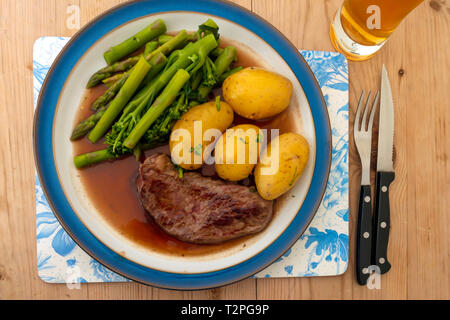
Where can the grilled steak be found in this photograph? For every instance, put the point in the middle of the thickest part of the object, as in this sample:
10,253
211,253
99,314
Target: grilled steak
198,209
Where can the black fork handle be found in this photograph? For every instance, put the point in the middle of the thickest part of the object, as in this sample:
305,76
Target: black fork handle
364,235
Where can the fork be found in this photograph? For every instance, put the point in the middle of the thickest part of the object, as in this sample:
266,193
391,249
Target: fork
363,141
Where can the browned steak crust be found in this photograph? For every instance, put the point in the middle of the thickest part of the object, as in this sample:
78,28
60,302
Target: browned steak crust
198,209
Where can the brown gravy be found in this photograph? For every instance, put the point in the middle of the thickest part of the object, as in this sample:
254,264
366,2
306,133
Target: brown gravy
111,185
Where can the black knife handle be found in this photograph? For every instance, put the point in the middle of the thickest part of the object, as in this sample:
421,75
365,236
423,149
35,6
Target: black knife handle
364,235
381,220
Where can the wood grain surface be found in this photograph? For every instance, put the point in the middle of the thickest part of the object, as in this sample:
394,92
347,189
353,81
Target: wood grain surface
417,58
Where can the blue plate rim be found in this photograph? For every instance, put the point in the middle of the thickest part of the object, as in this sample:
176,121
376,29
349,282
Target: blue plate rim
43,122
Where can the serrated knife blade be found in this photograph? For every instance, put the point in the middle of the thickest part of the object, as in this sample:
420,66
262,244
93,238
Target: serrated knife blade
386,126
384,177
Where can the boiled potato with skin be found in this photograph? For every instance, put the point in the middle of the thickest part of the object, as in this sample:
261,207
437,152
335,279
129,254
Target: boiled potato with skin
237,151
272,177
186,148
255,93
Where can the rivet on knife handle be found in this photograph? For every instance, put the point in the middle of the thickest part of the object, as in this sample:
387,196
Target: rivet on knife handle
382,220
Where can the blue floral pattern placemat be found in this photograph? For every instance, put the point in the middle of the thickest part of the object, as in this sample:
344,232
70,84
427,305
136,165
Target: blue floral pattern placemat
321,251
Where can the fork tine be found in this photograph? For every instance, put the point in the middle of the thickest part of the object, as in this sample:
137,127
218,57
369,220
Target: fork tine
366,111
358,113
374,108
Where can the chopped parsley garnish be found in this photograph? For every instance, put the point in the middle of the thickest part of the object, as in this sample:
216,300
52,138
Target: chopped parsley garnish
180,172
197,150
218,103
293,178
258,137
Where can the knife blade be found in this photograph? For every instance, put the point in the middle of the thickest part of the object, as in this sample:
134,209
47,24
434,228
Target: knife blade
385,175
386,126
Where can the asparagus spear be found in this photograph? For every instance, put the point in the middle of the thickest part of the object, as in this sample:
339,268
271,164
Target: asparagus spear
221,64
159,131
229,73
82,128
132,110
157,62
110,93
125,93
135,42
126,64
192,37
192,57
206,28
161,103
150,47
108,71
182,59
225,59
216,52
167,42
164,38
86,159
111,80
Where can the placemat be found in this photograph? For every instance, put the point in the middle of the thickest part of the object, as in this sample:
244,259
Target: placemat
321,251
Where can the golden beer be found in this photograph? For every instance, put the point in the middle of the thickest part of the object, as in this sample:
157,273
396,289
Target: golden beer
360,27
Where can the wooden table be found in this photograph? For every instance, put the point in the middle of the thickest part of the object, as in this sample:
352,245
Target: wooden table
417,58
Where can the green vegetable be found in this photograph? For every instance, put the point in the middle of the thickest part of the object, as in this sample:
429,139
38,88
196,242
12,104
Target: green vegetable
229,73
293,178
82,128
191,58
208,27
84,160
108,71
126,64
197,150
109,94
147,119
164,38
157,62
131,84
111,80
135,42
218,103
159,131
161,103
180,172
216,52
150,47
221,64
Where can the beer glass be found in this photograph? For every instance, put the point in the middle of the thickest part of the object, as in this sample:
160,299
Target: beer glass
361,27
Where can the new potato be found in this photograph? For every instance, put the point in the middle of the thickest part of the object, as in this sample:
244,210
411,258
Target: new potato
184,149
293,150
237,151
256,93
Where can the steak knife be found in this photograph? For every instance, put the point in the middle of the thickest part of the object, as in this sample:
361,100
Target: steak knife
384,177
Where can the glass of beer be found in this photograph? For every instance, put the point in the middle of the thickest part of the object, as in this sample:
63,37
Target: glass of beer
361,27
